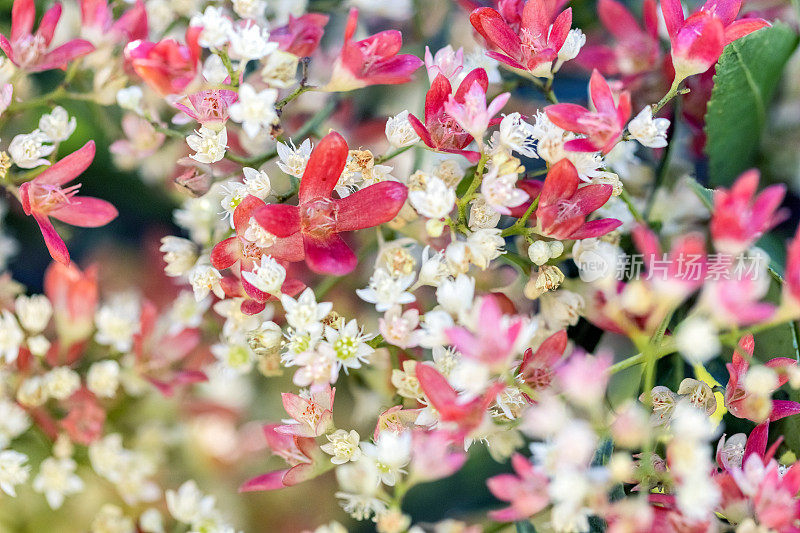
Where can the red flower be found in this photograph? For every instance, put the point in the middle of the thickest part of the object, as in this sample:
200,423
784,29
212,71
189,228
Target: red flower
318,219
636,50
603,127
535,43
525,491
98,18
74,295
167,66
537,367
28,50
86,418
697,41
372,61
43,197
249,251
209,108
741,217
563,207
300,36
441,132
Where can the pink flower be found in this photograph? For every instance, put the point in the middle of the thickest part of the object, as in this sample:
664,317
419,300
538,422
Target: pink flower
160,354
312,416
97,18
636,50
167,66
85,419
525,490
434,455
735,299
43,197
303,455
141,140
301,35
74,295
538,367
319,219
677,274
535,44
740,216
372,61
441,132
249,251
791,288
209,108
466,414
446,62
6,91
563,207
603,127
30,51
494,342
697,41
737,399
584,378
472,114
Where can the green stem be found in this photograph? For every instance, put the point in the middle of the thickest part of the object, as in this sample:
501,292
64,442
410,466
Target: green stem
519,226
625,197
294,94
392,155
477,177
672,93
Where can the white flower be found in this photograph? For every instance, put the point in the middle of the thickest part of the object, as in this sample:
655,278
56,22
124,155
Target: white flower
180,255
435,201
539,252
647,130
233,194
572,45
61,382
34,312
516,135
57,479
434,325
187,504
250,41
385,290
561,308
500,191
151,521
205,279
481,215
456,295
130,98
348,344
32,392
254,110
13,471
117,322
214,70
399,131
28,150
343,446
111,519
186,312
11,337
267,276
485,245
216,27
433,268
14,421
304,314
208,144
697,339
58,125
280,69
256,234
103,378
390,453
236,356
293,160
398,328
257,182
249,9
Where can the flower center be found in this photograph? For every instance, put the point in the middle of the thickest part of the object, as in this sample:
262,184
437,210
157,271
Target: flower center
318,217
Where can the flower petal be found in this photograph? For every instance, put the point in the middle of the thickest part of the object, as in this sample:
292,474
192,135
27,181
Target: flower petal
279,219
323,169
371,206
55,244
86,212
70,167
329,255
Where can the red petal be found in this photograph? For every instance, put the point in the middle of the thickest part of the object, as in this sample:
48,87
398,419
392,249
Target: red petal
602,97
268,481
288,249
70,167
225,253
561,182
477,75
47,26
596,228
743,27
329,255
324,168
617,19
55,244
23,13
244,211
279,219
673,15
86,212
566,116
371,206
490,24
59,57
436,97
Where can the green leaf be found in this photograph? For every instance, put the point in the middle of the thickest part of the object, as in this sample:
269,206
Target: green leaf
705,195
746,78
525,527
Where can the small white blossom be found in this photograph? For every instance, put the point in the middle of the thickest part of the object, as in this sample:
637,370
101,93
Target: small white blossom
205,279
117,322
250,41
500,191
151,521
57,125
233,194
649,131
249,9
29,151
214,70
11,337
130,98
62,382
188,503
386,291
13,471
390,453
180,255
32,392
572,45
697,339
539,252
103,378
257,182
280,69
304,314
399,131
343,446
516,135
216,27
485,245
293,160
456,295
435,201
267,276
34,312
56,480
111,519
208,144
348,345
14,421
254,110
